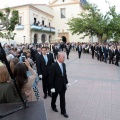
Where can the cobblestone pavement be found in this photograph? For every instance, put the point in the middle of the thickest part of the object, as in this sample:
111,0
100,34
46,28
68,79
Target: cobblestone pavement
96,95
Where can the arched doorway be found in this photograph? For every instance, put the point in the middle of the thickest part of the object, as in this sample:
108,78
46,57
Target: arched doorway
64,39
35,38
43,38
50,38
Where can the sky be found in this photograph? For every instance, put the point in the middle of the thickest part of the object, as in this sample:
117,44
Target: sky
101,3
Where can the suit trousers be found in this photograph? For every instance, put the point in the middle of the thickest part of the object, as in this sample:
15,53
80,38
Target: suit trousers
92,54
117,60
79,54
67,53
111,60
62,100
46,86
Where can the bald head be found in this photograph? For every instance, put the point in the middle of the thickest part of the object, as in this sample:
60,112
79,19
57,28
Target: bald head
61,57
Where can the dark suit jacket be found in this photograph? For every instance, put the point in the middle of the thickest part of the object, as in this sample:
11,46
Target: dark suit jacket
79,49
55,50
33,53
105,50
42,68
50,55
100,50
67,47
117,53
92,48
37,59
56,79
111,54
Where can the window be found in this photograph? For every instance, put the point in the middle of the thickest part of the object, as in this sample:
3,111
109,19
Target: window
63,12
20,20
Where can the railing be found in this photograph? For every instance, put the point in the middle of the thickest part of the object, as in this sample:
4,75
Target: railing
19,27
43,28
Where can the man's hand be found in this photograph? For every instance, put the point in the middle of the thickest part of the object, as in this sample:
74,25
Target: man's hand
53,90
40,76
68,85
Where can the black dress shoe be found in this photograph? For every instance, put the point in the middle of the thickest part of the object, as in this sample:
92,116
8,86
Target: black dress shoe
55,109
45,96
65,115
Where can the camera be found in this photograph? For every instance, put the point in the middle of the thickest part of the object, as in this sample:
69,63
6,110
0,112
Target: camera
23,58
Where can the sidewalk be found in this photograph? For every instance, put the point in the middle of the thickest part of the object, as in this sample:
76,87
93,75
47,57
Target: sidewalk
96,95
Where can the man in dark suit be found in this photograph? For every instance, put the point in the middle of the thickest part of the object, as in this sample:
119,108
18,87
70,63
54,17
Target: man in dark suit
79,49
37,57
93,49
59,83
105,52
117,53
50,55
43,66
55,51
33,53
111,55
101,53
67,47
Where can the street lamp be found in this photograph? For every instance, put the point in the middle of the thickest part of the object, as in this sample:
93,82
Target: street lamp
24,39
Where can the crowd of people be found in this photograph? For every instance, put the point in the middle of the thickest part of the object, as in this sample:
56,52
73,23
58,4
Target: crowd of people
30,63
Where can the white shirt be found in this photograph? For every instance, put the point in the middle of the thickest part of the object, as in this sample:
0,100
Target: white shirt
59,63
61,67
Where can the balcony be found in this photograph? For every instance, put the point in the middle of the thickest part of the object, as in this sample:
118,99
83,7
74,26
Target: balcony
43,28
19,27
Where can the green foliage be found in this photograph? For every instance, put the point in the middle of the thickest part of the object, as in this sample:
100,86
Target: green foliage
8,22
92,22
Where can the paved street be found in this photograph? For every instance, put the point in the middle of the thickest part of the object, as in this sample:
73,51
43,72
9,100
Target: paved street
96,95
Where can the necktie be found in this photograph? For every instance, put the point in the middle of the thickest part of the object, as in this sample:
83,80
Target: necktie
46,59
61,67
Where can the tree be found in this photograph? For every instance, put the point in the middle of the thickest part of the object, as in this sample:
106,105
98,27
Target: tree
8,22
92,22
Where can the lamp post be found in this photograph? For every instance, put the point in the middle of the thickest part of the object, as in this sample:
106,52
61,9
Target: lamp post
24,39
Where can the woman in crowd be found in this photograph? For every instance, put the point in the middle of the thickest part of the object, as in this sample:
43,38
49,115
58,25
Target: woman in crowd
7,90
25,82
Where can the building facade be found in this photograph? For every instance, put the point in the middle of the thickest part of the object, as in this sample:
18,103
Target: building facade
40,23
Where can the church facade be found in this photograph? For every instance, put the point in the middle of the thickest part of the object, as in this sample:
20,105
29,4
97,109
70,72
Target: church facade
40,23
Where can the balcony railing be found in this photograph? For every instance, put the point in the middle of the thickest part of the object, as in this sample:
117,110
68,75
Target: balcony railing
19,27
43,28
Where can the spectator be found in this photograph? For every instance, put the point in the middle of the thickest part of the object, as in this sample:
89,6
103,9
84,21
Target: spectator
7,91
25,82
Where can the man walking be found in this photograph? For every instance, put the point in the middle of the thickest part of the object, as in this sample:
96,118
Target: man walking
79,49
59,83
43,67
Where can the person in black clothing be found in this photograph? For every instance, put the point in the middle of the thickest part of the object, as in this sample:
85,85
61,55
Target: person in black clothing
33,53
37,58
79,49
59,82
43,67
117,53
111,55
67,47
55,51
93,49
101,53
105,52
50,55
